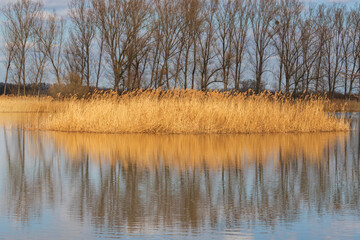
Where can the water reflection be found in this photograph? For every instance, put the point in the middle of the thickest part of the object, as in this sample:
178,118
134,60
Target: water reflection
126,184
198,151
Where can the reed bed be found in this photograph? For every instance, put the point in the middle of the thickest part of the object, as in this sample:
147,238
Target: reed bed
29,104
195,112
186,112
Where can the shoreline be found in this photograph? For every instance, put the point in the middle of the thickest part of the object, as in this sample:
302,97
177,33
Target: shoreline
180,112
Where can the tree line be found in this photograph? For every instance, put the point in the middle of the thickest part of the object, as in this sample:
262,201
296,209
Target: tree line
197,44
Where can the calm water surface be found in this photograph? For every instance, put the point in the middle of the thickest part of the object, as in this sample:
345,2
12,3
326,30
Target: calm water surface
84,186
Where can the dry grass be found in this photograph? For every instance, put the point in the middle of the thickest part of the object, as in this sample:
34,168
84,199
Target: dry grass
29,104
183,111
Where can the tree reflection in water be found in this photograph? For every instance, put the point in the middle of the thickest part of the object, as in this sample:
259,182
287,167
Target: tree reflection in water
123,183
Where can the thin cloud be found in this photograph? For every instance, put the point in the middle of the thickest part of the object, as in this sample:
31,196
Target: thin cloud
328,1
47,3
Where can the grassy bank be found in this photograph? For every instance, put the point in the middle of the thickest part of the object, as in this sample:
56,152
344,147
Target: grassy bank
181,111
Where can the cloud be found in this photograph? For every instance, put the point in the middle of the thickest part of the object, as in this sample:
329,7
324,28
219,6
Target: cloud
56,4
328,1
49,5
339,1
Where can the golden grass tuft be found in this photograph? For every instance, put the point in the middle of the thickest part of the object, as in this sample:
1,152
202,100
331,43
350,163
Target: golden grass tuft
186,111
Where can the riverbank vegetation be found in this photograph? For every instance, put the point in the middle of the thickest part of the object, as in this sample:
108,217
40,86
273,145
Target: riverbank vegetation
344,105
180,111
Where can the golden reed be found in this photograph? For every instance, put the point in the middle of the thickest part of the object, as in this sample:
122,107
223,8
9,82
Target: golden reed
28,104
180,111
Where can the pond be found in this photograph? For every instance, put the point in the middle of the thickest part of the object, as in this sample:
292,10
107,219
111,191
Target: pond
280,186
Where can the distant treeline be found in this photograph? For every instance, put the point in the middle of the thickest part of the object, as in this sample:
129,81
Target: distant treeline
197,44
70,89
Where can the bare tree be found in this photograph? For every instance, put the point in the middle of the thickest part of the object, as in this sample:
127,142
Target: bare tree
225,20
207,42
239,38
21,17
155,57
99,60
52,38
351,51
191,22
82,34
39,59
111,18
9,50
346,43
309,49
138,29
333,47
186,43
167,32
262,20
287,41
321,35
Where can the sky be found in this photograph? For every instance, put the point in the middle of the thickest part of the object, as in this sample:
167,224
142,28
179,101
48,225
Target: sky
59,5
47,3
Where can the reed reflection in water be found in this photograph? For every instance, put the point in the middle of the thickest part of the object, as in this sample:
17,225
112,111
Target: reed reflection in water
171,185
